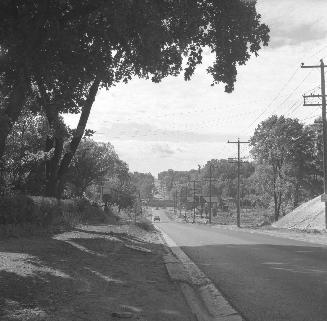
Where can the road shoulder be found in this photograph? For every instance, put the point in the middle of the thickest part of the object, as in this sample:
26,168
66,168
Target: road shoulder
316,237
204,299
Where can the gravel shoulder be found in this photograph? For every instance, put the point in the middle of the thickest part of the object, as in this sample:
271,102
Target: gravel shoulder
94,272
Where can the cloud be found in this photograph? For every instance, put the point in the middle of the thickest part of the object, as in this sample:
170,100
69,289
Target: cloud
145,132
284,34
293,22
162,150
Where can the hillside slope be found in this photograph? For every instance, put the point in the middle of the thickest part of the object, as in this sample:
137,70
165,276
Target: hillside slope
308,216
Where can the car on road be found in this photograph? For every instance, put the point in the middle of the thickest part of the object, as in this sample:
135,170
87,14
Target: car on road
156,218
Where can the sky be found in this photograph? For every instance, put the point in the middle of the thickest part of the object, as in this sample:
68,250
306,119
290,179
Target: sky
178,125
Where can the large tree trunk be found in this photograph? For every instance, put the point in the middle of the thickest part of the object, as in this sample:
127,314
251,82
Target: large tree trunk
52,168
296,195
57,166
18,94
276,206
55,141
13,109
78,134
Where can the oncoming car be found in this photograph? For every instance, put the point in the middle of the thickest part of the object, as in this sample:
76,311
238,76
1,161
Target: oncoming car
156,218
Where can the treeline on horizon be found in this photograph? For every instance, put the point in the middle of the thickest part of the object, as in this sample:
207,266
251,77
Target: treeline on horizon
285,169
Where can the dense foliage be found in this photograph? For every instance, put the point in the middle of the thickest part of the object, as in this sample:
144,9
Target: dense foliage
284,172
285,151
55,55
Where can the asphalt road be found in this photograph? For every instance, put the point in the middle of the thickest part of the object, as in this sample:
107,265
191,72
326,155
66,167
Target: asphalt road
264,278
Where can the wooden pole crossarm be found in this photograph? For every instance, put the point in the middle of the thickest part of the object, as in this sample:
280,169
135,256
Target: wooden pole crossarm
316,66
313,96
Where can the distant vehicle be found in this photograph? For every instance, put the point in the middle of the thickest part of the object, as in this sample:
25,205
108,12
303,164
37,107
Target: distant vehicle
157,208
156,218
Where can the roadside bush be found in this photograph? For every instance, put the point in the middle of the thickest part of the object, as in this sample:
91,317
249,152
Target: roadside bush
145,224
91,214
21,215
16,209
71,214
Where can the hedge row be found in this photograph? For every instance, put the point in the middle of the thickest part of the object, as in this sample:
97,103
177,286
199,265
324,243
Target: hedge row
45,211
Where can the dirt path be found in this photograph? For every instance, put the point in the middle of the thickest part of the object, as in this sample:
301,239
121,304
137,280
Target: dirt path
96,273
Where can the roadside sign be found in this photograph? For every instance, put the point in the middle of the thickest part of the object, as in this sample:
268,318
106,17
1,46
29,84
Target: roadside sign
324,197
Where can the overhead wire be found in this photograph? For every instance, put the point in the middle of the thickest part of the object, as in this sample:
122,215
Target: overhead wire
276,97
226,148
293,91
285,86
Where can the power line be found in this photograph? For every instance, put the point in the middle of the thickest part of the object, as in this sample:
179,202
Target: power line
292,92
294,107
277,96
285,85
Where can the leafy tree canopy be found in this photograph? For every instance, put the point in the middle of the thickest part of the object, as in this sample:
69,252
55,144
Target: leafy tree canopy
144,182
69,42
91,163
57,53
287,148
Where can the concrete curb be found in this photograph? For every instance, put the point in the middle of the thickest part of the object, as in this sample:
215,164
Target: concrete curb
205,300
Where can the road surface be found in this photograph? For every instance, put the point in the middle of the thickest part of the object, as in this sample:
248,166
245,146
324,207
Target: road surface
264,278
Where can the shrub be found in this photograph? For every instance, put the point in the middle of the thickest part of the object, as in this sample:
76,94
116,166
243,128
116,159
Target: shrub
15,209
21,215
145,224
91,213
39,211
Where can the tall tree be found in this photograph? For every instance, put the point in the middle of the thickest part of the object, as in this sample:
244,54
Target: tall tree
23,162
144,182
65,50
314,183
286,147
91,163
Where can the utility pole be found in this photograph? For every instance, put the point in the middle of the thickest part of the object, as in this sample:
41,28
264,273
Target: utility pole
210,193
175,201
210,177
210,185
194,192
180,203
238,177
324,126
187,192
140,201
193,201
